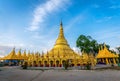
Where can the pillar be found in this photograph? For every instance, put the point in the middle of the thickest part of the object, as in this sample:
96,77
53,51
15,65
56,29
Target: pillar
75,62
107,61
103,60
114,61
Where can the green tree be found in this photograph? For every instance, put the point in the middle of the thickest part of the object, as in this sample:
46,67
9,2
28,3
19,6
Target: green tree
66,64
102,45
118,48
87,44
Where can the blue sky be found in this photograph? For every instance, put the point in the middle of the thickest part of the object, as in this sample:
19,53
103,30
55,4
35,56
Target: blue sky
34,24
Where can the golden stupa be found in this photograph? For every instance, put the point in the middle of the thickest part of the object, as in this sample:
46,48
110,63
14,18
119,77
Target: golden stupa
60,53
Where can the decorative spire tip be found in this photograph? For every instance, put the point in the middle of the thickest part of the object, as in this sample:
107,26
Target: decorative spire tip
61,23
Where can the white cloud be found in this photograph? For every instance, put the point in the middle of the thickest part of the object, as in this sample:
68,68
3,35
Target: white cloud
8,42
2,53
43,10
41,13
4,50
16,45
77,50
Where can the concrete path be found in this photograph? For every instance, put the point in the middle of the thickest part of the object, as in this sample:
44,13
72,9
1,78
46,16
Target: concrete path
15,74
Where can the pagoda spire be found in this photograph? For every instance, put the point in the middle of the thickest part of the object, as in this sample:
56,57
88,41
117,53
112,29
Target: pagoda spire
13,51
61,33
61,39
19,52
105,47
61,22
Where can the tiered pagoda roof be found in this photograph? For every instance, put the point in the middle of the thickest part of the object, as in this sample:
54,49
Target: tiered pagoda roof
105,53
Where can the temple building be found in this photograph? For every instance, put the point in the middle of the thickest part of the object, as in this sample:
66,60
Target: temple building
59,54
104,56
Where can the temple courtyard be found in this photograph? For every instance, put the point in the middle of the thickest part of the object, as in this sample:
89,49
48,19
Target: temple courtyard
18,74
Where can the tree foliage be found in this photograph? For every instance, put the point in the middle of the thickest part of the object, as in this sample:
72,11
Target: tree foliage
89,45
102,46
118,48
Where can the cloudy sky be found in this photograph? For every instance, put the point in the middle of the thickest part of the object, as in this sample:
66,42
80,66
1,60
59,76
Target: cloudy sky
34,24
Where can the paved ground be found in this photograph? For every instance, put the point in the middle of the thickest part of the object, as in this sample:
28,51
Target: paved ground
15,74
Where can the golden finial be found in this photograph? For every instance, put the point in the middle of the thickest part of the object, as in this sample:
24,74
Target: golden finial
61,23
13,48
61,30
105,46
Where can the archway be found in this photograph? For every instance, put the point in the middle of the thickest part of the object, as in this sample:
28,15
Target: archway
45,63
57,63
51,63
30,64
34,63
40,63
63,63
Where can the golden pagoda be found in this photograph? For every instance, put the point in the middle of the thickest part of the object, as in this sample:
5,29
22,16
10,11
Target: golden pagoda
106,57
58,56
60,53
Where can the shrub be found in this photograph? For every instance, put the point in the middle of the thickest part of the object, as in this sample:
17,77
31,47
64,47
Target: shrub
25,65
66,65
